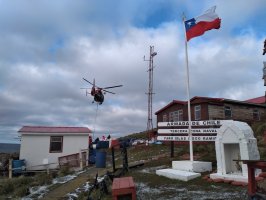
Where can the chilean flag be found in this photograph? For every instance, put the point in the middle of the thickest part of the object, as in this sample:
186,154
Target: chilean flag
198,25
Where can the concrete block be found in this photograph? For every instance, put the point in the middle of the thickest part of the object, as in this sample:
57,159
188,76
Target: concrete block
177,174
192,166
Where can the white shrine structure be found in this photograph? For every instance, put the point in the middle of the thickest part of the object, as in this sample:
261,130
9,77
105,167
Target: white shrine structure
235,142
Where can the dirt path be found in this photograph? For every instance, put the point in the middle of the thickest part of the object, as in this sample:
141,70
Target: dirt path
61,191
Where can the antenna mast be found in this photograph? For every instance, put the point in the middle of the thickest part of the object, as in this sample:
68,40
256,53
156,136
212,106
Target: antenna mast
150,90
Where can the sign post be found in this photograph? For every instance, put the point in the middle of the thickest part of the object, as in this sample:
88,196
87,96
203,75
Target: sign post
184,132
202,134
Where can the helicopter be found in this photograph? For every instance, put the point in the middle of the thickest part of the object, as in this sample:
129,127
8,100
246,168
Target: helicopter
98,92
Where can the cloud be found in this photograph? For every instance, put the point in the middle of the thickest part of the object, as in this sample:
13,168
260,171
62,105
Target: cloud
47,49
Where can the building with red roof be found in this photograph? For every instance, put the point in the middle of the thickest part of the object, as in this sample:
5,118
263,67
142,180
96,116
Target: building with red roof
206,108
42,146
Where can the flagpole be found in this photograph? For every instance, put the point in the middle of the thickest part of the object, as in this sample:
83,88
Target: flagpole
188,96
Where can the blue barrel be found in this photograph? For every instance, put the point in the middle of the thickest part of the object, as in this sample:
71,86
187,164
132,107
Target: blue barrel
102,145
18,166
92,155
100,159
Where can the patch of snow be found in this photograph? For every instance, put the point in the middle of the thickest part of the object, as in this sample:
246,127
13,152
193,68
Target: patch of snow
64,179
70,195
36,192
214,186
144,188
87,186
152,169
84,188
144,191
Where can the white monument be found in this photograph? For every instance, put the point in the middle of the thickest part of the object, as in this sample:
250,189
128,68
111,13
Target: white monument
235,141
186,170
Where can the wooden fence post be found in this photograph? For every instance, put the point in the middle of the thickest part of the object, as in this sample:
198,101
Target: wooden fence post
113,159
80,160
10,168
47,169
87,158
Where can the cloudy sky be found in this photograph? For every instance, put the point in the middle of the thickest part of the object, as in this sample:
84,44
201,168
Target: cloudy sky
47,47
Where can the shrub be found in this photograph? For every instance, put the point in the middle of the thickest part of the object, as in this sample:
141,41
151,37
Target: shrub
22,181
83,196
7,187
64,170
43,179
21,191
259,128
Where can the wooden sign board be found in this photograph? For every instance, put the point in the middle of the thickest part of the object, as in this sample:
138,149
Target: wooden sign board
193,131
193,123
186,138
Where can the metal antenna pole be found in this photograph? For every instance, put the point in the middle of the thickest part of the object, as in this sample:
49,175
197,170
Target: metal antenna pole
150,90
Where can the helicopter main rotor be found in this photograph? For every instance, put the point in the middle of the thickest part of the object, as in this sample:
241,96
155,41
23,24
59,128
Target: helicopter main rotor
102,88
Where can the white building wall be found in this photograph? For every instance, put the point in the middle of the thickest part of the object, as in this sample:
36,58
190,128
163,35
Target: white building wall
35,149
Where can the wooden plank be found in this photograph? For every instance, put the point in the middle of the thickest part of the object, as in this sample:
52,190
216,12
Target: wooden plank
206,138
186,131
193,123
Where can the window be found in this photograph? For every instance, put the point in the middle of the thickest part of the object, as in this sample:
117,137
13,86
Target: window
176,116
227,112
256,114
180,115
171,116
197,110
56,144
165,118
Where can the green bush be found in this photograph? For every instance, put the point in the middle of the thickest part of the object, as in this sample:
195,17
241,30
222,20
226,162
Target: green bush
43,179
22,181
7,187
64,170
83,196
259,128
262,151
22,191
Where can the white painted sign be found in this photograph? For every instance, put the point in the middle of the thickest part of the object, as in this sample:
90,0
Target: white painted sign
186,138
185,131
193,123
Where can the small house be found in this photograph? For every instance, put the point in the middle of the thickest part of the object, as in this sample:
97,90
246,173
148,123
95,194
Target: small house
42,146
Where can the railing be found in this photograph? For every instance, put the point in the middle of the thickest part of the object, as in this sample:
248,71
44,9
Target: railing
72,160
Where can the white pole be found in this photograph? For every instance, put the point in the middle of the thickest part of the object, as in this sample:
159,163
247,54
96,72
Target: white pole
188,98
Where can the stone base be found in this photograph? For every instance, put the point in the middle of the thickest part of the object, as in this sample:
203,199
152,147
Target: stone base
231,177
192,166
177,174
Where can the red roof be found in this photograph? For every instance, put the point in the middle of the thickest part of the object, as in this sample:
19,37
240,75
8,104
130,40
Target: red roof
197,99
206,99
201,99
258,100
170,104
47,129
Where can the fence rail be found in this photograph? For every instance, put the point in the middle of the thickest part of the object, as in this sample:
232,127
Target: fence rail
73,160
